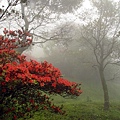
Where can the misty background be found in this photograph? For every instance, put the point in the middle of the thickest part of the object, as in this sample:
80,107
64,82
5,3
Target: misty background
78,43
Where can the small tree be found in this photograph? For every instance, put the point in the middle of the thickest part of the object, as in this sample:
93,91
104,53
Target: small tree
25,86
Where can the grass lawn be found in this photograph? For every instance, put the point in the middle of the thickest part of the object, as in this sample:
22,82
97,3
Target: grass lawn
89,106
79,110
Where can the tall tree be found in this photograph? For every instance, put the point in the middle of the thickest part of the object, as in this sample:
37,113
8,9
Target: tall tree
36,16
101,36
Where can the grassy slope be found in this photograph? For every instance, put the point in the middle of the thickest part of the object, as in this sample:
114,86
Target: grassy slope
82,111
89,106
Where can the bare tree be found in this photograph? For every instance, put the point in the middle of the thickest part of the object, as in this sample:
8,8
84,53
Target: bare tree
101,36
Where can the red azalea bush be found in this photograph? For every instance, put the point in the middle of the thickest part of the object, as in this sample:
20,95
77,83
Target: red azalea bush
25,86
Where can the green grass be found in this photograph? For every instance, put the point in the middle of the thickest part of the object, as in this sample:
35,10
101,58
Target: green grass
89,106
82,111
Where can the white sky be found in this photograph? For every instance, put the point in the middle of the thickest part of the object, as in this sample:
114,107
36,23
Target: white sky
3,2
86,3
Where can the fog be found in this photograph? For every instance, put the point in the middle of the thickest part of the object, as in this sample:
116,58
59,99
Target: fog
81,38
79,58
77,50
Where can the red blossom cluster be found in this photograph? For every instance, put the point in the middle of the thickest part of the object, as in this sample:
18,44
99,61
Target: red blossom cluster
14,39
23,84
44,74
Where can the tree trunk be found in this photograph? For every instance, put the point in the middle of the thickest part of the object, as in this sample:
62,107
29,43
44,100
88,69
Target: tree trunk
20,50
105,89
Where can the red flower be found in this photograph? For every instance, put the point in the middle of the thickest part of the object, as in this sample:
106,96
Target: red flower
31,81
54,85
4,90
3,83
32,101
28,109
42,84
13,109
14,117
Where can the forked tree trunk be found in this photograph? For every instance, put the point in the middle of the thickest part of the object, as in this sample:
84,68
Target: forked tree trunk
105,89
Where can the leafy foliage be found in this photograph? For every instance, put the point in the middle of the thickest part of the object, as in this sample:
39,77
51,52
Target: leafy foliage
25,86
